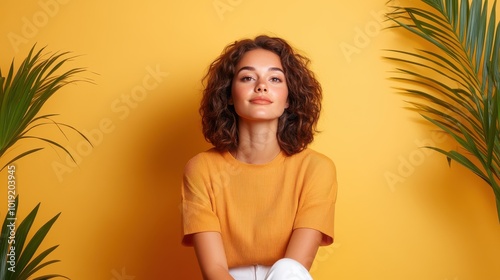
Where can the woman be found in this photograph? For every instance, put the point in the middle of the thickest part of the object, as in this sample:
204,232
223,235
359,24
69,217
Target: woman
260,203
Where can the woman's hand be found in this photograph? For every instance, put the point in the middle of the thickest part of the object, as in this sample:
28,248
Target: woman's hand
211,256
303,246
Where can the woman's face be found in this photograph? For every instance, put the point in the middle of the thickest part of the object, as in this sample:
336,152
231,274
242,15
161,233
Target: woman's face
259,91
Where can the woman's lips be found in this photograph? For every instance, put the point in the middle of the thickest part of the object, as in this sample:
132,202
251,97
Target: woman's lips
260,100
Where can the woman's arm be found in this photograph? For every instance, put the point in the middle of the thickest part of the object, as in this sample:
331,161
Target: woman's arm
303,246
211,256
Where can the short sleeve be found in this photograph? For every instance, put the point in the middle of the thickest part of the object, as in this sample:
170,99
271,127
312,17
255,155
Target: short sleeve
198,209
317,201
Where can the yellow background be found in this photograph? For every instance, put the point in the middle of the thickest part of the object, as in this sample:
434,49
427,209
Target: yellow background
401,212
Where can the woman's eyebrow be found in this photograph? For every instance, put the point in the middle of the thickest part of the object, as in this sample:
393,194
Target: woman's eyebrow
250,68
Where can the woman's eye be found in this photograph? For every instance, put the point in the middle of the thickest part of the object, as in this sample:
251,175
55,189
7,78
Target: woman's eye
275,80
246,79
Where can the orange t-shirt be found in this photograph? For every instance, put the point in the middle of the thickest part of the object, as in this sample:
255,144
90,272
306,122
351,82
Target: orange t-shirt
256,207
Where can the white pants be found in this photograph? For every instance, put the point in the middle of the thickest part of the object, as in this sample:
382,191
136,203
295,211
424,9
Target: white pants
284,269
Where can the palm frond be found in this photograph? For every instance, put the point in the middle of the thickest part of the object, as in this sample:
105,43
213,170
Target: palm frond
20,156
26,262
23,92
455,84
28,252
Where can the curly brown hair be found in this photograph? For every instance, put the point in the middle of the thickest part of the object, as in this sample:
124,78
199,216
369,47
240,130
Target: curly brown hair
297,125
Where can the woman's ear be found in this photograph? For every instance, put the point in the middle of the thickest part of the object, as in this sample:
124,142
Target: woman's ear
230,101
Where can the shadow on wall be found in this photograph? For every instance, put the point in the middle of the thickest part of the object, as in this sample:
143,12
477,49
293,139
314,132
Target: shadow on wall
169,138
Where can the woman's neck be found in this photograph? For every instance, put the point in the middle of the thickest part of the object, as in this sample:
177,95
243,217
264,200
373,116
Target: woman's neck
257,143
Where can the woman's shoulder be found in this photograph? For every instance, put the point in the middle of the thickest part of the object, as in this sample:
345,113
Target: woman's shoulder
312,162
204,159
314,157
207,154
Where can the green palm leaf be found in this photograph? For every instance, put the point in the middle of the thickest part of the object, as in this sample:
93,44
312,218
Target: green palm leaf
26,262
27,253
45,277
25,91
455,84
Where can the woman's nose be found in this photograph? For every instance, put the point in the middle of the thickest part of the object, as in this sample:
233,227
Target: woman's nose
261,87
